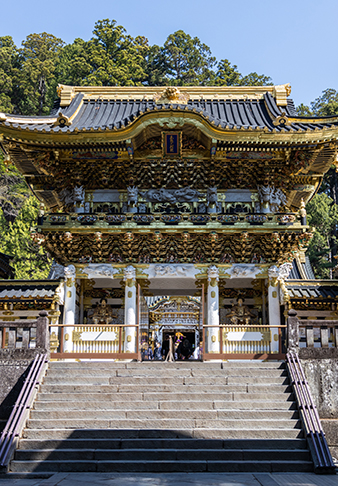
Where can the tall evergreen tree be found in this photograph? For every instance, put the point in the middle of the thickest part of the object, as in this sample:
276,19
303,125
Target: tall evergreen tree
9,69
13,190
226,74
115,58
323,215
190,61
30,261
37,83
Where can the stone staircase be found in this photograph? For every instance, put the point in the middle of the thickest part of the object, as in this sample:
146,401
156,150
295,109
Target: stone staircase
163,417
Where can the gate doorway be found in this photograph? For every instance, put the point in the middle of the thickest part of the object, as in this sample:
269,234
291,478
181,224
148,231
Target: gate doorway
180,318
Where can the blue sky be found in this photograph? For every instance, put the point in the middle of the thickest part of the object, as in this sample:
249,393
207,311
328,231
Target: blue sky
291,41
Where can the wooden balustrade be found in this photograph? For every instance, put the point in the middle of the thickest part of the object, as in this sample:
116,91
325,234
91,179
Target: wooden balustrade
90,341
245,342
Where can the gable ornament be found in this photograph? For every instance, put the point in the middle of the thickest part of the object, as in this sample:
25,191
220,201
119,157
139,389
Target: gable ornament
171,95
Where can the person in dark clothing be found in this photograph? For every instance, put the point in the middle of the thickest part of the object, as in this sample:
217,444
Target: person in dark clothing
184,350
158,352
165,347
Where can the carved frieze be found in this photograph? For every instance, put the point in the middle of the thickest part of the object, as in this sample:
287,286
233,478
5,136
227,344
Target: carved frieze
181,248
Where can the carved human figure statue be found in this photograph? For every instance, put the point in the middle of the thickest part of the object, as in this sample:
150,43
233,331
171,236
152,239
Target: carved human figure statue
240,313
103,313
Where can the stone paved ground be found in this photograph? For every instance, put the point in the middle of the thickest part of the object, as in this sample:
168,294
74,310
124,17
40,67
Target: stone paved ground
174,479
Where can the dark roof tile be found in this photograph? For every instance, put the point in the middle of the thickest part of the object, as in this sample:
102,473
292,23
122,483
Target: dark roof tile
102,114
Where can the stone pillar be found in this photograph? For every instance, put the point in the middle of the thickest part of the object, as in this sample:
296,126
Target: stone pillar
213,345
130,309
42,331
292,331
274,307
69,308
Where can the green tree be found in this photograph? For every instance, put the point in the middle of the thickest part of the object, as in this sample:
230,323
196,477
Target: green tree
226,74
9,68
323,208
324,105
13,190
37,82
189,60
304,110
73,66
254,79
30,261
156,66
323,215
109,58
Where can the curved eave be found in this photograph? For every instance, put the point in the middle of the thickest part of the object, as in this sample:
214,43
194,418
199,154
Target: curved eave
241,135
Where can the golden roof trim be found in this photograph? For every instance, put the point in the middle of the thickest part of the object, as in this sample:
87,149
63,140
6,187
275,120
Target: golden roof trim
259,136
67,93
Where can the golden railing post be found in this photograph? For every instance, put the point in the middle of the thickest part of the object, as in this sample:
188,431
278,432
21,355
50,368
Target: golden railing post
3,340
61,339
120,339
138,334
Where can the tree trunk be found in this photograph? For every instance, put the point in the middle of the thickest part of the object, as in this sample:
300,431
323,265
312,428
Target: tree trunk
42,91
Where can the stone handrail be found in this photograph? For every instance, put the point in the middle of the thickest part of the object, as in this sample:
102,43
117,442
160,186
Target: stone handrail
303,335
19,342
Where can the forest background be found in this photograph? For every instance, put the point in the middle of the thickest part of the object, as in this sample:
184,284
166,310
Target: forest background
29,76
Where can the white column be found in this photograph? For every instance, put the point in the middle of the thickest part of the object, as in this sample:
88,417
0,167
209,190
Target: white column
274,308
130,309
69,308
213,310
59,299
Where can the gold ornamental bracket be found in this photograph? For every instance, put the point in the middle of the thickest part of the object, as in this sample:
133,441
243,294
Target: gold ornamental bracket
62,121
282,120
66,94
280,93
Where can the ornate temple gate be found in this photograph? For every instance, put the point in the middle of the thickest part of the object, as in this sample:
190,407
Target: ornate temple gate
164,191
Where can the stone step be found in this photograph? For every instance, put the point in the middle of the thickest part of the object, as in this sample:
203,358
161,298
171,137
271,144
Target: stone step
167,443
157,372
162,381
172,388
183,404
90,364
151,415
161,466
158,417
253,364
161,454
209,364
219,432
252,388
202,397
106,423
